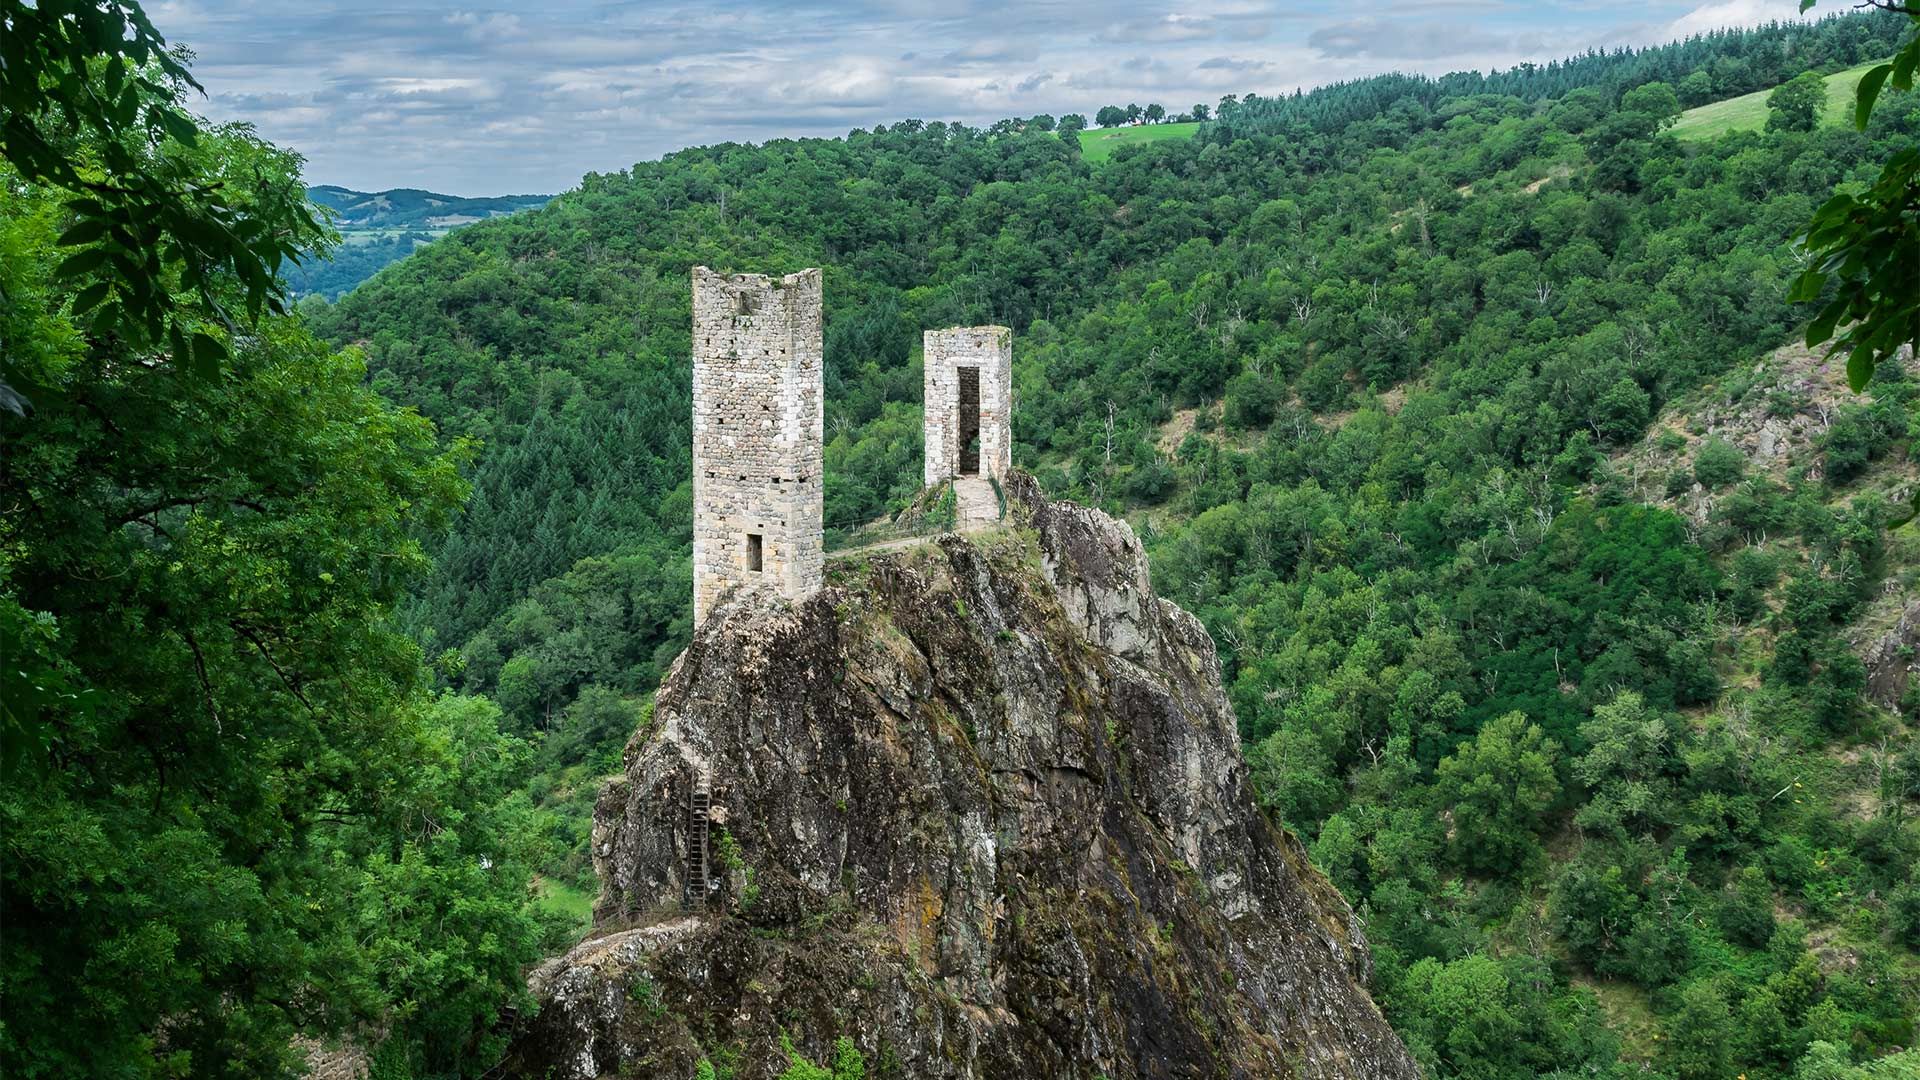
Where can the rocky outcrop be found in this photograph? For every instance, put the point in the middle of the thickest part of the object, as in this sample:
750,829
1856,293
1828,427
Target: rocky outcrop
1775,413
979,807
1888,638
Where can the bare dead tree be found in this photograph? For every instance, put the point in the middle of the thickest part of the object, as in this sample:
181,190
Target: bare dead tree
1230,329
1389,327
1106,459
1636,342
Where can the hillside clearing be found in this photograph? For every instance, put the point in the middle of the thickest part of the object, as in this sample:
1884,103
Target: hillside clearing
563,899
1748,112
1098,144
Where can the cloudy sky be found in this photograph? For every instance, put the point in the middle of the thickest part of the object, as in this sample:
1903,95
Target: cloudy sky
526,97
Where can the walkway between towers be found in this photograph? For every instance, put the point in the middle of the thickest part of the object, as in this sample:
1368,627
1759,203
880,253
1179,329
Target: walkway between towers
976,507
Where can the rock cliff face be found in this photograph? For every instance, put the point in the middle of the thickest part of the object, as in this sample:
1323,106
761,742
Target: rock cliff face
1887,638
978,807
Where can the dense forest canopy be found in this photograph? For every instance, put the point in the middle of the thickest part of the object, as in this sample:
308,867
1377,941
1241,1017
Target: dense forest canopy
231,807
1425,394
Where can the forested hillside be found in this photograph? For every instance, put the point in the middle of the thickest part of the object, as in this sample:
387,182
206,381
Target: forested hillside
398,207
1362,366
1565,603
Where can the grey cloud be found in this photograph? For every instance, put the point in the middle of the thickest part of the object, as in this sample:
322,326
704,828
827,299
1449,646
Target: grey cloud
991,50
1403,39
1230,63
1173,26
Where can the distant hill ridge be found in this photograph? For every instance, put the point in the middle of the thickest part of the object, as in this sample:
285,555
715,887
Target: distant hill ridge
398,207
380,227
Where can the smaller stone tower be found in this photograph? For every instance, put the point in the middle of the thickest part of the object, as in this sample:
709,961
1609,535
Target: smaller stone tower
757,435
968,398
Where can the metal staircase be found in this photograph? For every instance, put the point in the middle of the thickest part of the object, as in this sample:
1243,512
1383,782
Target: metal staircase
699,803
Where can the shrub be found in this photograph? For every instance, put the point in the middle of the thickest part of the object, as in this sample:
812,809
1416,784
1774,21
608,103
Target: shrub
1717,464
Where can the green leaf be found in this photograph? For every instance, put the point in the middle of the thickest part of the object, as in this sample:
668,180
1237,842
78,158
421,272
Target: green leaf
1867,92
1904,64
1821,328
1859,369
86,232
1806,288
179,126
208,354
89,298
81,263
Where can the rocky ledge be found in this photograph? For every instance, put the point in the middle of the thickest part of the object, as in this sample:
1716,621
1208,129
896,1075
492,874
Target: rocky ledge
977,809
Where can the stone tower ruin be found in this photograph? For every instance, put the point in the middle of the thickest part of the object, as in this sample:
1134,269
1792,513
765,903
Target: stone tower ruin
757,461
968,398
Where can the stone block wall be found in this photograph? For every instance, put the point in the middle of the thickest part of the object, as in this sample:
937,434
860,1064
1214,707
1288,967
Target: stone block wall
989,351
757,435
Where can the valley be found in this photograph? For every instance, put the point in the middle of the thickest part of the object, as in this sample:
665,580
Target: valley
1448,608
1415,357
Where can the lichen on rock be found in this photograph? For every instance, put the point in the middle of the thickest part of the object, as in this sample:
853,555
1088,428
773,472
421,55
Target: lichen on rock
978,806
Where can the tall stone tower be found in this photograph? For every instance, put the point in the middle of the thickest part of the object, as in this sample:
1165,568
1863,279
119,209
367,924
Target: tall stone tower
757,459
968,398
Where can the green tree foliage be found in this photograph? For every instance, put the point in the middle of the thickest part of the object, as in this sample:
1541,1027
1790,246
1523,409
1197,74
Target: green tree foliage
1372,362
230,810
1487,1018
348,265
1867,245
1732,62
1718,463
1796,105
1500,788
165,244
1699,1037
1827,1061
1627,769
848,1063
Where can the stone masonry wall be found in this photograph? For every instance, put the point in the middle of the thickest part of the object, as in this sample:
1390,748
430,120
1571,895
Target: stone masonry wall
990,349
757,434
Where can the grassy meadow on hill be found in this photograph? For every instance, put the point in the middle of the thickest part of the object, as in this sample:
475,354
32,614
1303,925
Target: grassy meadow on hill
1748,112
1099,144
